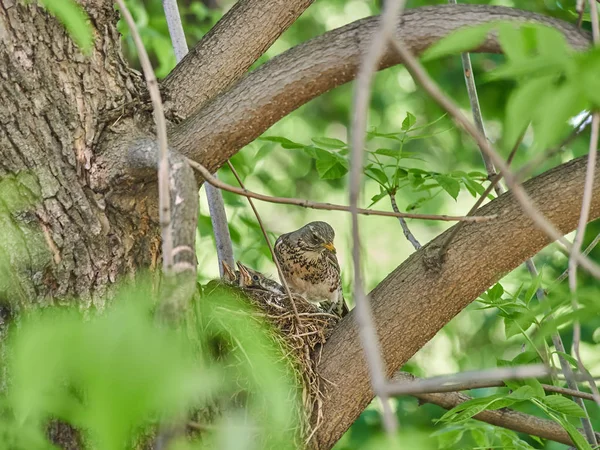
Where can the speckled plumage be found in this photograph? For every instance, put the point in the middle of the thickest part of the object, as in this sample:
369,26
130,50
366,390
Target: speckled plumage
310,267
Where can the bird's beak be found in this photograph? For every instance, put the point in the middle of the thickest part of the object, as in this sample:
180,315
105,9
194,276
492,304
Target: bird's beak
329,246
244,274
228,272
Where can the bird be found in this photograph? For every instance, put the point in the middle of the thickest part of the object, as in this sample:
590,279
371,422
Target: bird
249,278
310,267
253,279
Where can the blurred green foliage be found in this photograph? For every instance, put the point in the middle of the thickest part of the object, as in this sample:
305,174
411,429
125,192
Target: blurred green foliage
116,374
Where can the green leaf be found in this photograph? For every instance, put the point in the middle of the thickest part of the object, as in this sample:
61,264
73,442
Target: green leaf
522,104
377,197
388,152
330,165
263,152
563,405
461,40
408,121
449,436
555,110
552,43
538,390
473,187
495,292
472,407
449,184
329,142
522,393
417,204
532,66
512,41
284,142
377,175
74,19
574,434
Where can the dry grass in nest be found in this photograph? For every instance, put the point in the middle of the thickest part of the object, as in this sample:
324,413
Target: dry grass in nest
302,342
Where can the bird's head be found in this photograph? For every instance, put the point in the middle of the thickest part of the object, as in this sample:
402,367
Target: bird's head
316,237
250,277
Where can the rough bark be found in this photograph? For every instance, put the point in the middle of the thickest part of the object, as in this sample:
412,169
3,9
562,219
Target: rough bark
229,49
413,303
54,103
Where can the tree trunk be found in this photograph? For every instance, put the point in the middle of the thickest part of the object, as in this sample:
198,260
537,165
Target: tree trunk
56,104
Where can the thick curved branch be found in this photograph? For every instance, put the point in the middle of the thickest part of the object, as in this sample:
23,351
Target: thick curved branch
224,55
235,118
413,303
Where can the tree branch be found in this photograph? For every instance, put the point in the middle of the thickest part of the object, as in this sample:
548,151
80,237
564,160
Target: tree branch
364,319
479,256
236,117
224,55
325,206
164,199
505,418
216,205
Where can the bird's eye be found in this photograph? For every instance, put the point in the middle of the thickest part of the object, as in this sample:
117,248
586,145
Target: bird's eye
317,237
255,277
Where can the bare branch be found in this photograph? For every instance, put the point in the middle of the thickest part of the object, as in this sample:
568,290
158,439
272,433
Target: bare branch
475,107
505,418
449,381
587,251
224,55
478,384
325,206
216,205
161,131
366,327
407,233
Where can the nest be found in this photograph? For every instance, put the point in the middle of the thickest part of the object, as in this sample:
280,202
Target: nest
302,341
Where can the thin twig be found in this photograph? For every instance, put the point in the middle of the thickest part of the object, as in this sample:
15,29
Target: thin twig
325,206
506,418
264,232
392,10
475,107
164,199
580,8
407,233
583,219
478,384
214,197
586,252
424,80
492,375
